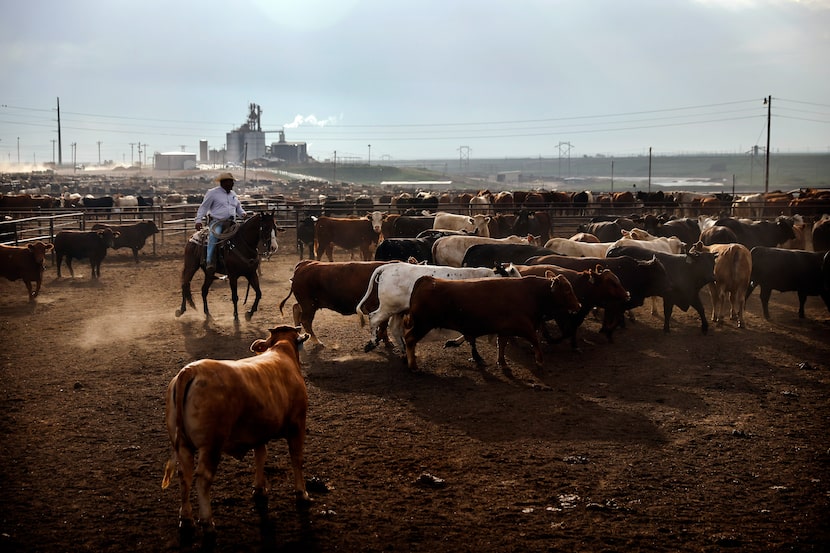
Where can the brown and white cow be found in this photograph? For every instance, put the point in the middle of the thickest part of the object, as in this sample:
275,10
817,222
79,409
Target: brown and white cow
502,306
230,407
733,270
25,263
346,233
338,286
79,244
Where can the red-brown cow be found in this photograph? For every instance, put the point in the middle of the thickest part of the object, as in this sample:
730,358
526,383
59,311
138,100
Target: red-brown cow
595,287
78,244
25,263
233,406
345,233
338,286
502,306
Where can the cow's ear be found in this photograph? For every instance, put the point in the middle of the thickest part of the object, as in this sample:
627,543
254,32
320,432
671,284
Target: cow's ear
259,346
50,247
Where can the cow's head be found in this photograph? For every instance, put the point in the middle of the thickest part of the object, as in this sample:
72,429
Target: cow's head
39,251
283,333
563,292
376,218
108,236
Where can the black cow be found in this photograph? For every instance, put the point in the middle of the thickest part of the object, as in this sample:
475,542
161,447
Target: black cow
686,228
718,235
401,249
406,226
132,236
79,244
787,271
488,255
759,233
99,203
530,222
305,235
606,231
687,272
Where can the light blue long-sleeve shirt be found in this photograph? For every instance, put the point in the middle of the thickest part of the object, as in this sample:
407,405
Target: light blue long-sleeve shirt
220,204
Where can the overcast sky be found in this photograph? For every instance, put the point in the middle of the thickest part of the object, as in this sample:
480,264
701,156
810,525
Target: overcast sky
415,79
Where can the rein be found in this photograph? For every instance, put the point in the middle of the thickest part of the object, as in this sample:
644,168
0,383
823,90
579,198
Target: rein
234,244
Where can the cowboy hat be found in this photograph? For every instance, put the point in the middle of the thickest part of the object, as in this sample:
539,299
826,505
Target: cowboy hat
224,176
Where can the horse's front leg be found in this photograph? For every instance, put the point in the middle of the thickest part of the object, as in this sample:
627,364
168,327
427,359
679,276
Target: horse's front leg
205,289
253,280
234,296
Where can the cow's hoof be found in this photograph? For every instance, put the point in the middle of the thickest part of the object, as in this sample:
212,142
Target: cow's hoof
302,499
248,315
179,312
187,531
368,347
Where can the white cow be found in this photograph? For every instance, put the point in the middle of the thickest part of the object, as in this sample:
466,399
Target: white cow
376,218
748,206
453,221
564,246
394,283
671,244
450,250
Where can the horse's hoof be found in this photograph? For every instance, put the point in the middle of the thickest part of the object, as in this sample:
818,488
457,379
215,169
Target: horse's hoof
248,316
179,312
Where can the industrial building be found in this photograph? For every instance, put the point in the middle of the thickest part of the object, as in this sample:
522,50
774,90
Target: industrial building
248,143
174,161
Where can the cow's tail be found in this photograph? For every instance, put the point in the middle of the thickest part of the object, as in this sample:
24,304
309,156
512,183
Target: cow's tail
180,388
290,291
359,309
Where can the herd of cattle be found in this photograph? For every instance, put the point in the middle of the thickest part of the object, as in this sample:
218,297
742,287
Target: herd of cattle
486,273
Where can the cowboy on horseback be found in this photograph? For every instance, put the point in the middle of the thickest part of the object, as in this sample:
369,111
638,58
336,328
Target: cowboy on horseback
222,204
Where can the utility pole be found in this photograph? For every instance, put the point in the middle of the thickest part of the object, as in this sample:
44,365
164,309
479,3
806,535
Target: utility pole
53,151
145,153
60,149
139,154
768,102
132,153
370,156
99,152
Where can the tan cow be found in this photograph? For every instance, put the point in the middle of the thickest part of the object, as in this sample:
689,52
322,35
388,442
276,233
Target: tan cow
216,407
733,269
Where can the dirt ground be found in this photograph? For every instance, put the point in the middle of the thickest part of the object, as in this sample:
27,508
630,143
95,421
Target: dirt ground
655,442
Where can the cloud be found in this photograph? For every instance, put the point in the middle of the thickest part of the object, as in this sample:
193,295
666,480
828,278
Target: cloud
310,121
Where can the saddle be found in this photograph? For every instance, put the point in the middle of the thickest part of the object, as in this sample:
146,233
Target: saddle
200,238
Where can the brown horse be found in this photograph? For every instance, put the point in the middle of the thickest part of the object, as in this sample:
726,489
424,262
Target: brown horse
241,258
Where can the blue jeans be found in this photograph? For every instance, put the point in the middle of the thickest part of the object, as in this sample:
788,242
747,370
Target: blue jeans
215,227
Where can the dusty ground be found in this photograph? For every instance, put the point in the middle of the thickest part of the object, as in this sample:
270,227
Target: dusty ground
653,443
